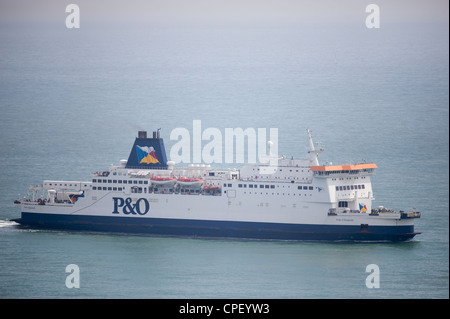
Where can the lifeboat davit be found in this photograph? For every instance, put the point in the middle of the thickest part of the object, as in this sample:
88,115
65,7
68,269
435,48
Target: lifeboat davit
166,181
184,181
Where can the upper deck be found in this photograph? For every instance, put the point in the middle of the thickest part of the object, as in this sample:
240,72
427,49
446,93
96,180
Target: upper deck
324,171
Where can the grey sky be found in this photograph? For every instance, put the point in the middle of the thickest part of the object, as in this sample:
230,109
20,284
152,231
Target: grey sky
225,12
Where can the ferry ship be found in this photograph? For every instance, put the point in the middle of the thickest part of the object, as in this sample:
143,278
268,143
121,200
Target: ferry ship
296,199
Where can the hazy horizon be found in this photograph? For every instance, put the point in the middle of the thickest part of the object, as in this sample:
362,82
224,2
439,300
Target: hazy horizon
210,13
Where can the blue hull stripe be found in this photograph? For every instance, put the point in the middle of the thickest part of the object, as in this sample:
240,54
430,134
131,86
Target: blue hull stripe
211,228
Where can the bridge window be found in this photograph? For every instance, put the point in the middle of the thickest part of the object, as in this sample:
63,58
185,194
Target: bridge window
343,204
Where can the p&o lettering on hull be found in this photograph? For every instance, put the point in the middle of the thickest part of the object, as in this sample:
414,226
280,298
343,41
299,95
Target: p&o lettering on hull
125,206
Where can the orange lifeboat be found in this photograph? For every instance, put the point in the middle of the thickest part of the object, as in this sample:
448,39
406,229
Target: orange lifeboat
184,181
166,181
211,188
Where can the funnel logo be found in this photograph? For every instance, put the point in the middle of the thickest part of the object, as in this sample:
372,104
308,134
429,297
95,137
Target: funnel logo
146,155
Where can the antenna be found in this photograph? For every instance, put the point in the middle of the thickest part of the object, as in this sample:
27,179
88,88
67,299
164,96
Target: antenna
313,154
311,144
269,147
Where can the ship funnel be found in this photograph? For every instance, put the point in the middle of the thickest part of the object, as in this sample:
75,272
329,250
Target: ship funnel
142,134
156,134
147,153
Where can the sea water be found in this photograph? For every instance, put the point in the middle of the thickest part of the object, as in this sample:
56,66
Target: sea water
72,102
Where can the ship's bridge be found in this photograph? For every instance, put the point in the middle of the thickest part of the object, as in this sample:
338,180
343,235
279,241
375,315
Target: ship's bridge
325,171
